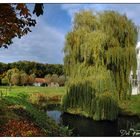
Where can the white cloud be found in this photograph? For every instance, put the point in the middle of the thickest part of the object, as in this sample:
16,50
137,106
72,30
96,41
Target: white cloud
43,44
71,9
131,10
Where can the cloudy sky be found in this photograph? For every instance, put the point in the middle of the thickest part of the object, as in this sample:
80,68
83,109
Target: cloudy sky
46,41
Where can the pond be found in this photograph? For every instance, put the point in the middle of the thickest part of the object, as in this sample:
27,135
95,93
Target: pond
87,127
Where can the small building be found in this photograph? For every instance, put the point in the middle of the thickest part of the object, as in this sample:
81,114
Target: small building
39,82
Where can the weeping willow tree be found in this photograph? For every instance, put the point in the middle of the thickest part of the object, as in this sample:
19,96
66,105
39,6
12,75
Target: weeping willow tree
99,55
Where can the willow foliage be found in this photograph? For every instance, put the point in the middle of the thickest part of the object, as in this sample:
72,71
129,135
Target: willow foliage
99,55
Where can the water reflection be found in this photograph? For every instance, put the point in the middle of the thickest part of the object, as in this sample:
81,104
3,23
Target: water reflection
55,115
87,127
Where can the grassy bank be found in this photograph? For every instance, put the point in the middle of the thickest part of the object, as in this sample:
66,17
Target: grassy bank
131,107
15,105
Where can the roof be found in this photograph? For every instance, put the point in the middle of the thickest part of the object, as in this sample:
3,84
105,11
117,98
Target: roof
39,80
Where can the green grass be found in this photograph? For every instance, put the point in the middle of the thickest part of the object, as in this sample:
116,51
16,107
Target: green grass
132,106
49,91
19,98
135,104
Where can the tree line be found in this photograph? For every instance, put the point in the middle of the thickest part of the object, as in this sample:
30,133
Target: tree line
24,72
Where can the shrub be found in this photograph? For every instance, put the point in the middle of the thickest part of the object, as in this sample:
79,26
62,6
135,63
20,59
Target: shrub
38,99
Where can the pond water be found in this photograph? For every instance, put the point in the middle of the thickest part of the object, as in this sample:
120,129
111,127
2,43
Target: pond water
87,127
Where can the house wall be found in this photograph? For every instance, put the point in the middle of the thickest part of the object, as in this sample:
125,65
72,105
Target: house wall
37,84
136,82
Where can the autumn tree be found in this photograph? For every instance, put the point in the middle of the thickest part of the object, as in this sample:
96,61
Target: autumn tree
4,81
9,75
54,78
16,21
15,78
31,79
48,79
23,78
61,80
99,55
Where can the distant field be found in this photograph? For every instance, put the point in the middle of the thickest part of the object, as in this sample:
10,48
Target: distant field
50,91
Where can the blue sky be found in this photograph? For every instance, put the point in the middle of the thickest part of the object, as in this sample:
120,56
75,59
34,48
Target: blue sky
46,41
